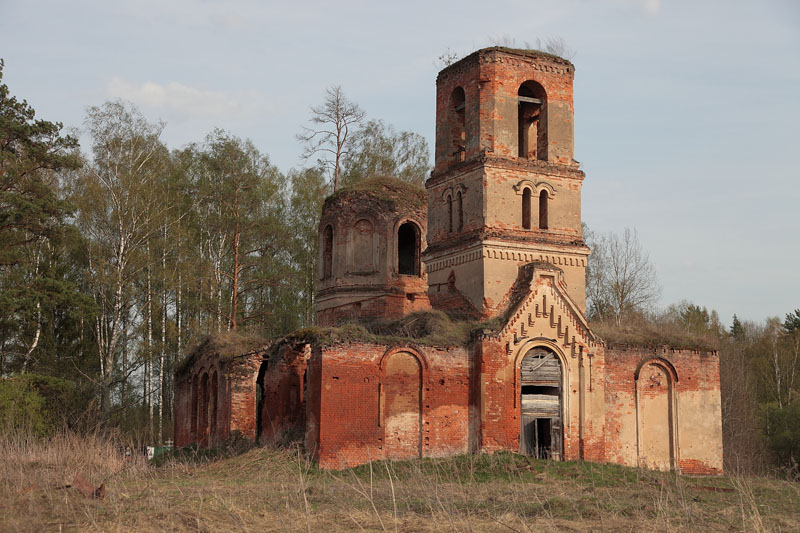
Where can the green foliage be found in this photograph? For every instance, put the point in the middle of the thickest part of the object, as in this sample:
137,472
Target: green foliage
379,150
737,331
309,190
33,226
36,403
792,322
782,428
29,149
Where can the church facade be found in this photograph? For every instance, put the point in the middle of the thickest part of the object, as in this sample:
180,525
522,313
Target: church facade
495,241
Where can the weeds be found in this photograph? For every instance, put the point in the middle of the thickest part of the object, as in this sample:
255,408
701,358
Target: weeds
280,490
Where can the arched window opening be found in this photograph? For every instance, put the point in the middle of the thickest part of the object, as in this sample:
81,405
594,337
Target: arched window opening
449,214
532,121
526,209
460,210
260,394
213,401
195,400
408,249
203,422
543,210
327,253
458,124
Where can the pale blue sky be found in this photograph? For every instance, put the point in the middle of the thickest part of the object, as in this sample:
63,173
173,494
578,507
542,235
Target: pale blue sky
687,112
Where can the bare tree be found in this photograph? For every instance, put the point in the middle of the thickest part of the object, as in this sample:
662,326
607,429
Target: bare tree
620,277
329,136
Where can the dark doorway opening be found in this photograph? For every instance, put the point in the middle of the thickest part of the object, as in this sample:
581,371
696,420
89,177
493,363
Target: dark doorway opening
540,405
260,397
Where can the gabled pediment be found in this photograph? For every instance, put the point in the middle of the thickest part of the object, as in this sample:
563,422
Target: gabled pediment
540,307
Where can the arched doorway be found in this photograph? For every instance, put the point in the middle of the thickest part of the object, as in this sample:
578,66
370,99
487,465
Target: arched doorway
402,410
203,408
541,433
655,415
260,397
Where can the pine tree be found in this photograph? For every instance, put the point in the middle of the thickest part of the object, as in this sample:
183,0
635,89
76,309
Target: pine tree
737,331
32,224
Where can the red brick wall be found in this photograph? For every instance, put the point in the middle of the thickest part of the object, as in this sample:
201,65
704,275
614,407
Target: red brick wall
468,401
352,406
285,386
490,79
697,416
500,408
228,413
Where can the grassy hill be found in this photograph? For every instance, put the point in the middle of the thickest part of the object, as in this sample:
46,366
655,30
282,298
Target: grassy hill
278,490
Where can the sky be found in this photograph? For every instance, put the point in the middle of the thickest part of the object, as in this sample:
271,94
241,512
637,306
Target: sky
687,113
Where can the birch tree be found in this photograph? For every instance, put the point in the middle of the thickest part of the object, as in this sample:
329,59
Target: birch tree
119,209
241,196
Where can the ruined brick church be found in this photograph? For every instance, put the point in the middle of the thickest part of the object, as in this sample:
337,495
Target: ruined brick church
494,241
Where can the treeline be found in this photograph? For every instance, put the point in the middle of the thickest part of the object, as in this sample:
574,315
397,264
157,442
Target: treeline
113,260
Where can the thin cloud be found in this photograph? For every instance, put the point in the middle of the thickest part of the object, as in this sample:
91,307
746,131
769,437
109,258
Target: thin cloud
183,99
652,7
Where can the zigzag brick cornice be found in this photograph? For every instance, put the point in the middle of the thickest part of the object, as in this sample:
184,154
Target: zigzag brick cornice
549,302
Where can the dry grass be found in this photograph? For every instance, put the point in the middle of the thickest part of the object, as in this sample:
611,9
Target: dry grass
652,332
278,490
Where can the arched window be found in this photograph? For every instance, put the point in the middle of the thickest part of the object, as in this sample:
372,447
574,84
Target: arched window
449,214
532,121
458,124
526,209
460,210
543,210
203,408
212,409
327,252
408,245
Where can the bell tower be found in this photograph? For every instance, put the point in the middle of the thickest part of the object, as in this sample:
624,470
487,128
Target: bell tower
505,189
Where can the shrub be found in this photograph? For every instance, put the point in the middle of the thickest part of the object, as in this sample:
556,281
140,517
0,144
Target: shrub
35,403
782,427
